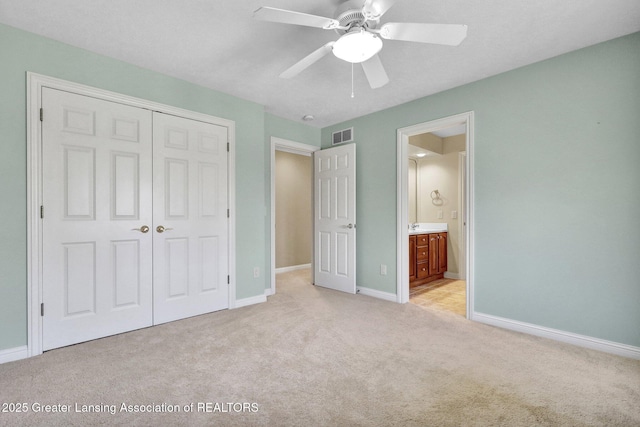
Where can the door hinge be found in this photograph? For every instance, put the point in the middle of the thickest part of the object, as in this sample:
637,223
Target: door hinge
227,147
41,113
228,280
42,309
228,213
41,211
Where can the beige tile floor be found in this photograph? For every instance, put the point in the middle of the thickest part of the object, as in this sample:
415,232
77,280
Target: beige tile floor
443,294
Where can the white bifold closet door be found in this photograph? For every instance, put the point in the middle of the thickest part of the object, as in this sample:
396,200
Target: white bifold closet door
114,177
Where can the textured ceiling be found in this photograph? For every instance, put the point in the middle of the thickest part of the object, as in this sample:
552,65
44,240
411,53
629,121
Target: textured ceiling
218,44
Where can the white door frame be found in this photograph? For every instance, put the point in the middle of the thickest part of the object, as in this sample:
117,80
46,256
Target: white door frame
279,144
462,208
35,83
403,134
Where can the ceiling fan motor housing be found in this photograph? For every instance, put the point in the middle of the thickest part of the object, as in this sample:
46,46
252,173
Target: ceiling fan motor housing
350,15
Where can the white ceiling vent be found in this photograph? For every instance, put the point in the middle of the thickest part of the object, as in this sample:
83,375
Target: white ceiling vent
341,136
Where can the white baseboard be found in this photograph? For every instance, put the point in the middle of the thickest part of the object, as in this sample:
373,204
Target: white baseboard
377,294
250,301
454,276
558,335
268,292
16,353
292,268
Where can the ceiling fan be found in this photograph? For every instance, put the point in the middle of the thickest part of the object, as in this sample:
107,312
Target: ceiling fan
360,38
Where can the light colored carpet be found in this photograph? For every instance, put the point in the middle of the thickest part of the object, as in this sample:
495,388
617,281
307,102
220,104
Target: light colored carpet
315,357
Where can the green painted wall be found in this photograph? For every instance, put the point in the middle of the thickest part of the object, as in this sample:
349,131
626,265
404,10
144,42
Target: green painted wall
292,131
557,198
21,52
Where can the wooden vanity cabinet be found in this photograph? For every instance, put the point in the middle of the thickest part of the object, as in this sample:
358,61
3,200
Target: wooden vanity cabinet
442,253
422,256
433,254
412,257
427,257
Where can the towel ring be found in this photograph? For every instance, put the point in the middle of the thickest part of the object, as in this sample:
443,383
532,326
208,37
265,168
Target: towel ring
435,198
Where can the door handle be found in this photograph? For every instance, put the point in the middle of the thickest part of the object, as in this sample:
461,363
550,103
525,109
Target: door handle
142,229
351,226
162,229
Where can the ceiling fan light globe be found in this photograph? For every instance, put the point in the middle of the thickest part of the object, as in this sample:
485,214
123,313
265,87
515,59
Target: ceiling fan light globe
357,46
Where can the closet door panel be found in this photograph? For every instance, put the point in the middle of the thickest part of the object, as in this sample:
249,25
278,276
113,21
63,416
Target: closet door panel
97,264
190,218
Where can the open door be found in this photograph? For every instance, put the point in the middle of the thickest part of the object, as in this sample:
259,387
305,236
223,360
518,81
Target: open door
335,218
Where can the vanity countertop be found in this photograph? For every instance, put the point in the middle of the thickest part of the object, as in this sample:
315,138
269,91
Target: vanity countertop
429,227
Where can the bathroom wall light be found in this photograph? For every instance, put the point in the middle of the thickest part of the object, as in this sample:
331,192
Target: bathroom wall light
357,46
421,154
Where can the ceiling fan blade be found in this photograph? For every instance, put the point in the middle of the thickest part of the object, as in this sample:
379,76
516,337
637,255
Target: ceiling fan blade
307,61
374,9
297,18
446,34
375,72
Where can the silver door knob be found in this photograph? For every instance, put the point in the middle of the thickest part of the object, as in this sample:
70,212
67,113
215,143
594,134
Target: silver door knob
351,226
162,229
142,229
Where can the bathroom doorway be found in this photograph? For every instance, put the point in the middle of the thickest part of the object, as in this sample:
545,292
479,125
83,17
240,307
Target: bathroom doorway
435,203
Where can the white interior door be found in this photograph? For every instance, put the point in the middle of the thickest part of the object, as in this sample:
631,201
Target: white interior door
97,259
190,218
335,218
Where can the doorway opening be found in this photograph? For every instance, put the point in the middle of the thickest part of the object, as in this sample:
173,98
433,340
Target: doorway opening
291,208
436,200
435,214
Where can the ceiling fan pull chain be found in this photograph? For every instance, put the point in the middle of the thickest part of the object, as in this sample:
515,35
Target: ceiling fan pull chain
352,94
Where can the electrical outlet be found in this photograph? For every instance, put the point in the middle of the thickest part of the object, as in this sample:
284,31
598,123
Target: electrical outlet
454,214
256,272
439,214
383,269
